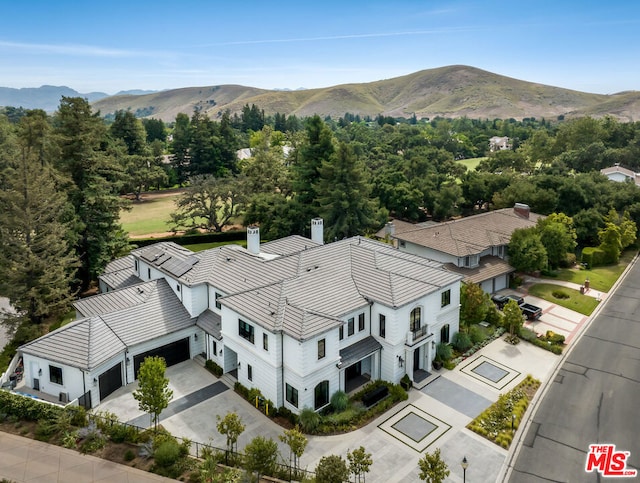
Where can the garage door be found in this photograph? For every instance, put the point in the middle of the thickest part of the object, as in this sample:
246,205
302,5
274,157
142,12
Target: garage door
110,380
172,353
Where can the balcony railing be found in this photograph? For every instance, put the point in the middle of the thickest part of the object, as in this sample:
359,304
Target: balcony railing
417,334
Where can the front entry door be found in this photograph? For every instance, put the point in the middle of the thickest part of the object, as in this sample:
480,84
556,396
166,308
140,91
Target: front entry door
416,359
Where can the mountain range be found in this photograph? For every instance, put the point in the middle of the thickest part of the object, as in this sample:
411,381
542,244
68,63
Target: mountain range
452,91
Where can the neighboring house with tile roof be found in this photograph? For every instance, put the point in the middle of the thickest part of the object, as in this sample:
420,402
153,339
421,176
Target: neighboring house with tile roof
474,246
620,174
294,317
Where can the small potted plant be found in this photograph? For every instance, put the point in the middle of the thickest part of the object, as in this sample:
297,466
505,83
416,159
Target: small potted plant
437,363
405,382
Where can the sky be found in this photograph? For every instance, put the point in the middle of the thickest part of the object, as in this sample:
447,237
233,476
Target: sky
109,46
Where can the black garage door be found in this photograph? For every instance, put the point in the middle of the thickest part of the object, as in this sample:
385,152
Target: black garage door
110,380
172,353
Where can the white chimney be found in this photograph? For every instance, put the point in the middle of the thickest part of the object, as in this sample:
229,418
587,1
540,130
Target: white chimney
390,229
253,239
317,231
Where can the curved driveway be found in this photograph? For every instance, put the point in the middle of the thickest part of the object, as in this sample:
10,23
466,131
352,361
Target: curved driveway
594,397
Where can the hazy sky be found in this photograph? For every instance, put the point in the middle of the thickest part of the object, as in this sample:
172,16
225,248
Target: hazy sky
591,46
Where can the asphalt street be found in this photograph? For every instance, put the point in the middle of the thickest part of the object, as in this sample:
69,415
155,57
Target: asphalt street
594,397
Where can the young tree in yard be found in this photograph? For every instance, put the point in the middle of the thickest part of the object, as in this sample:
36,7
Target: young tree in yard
512,320
261,455
433,469
153,394
359,463
209,203
473,304
526,251
332,469
297,443
230,426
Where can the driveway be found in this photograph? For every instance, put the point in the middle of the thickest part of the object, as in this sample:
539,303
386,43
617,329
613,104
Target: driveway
434,417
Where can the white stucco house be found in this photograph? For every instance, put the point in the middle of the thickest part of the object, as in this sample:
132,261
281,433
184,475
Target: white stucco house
474,246
295,318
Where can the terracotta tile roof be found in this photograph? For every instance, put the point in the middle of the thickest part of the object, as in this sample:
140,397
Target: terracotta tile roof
489,267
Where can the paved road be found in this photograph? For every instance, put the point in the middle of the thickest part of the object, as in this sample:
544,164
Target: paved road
594,398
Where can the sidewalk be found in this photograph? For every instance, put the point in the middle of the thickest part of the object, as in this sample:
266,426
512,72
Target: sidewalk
27,460
529,280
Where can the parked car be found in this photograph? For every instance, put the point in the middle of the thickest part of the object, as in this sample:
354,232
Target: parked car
531,312
499,300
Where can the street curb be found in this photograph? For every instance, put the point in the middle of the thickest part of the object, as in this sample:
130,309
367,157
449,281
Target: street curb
507,466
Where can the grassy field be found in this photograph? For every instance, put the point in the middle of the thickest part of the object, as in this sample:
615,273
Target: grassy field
600,278
471,163
149,216
574,300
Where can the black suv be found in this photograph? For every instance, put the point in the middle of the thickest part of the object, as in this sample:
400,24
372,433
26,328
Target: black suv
501,300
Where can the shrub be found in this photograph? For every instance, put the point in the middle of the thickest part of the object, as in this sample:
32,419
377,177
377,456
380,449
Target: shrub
569,260
560,294
288,414
167,453
476,334
119,433
240,389
461,341
214,368
339,401
309,420
554,338
129,455
443,351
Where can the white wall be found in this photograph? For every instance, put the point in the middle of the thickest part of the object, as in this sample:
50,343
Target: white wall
74,380
427,253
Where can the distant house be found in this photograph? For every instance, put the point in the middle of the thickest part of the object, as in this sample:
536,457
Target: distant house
474,246
620,174
499,143
296,318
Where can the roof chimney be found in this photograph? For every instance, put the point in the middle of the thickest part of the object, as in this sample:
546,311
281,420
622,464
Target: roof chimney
389,229
317,231
253,239
522,210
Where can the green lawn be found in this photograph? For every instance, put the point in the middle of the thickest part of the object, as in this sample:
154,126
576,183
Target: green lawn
600,278
149,216
472,163
198,247
583,304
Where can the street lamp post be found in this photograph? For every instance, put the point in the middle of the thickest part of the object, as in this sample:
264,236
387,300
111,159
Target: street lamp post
465,464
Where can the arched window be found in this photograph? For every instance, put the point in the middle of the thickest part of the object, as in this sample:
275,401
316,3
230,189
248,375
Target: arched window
321,394
444,334
415,319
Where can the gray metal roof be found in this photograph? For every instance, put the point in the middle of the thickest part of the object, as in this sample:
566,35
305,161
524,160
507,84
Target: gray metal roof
211,323
358,351
288,245
120,273
85,343
333,280
146,315
116,300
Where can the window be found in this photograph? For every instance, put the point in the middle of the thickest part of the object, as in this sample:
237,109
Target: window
177,288
321,394
249,372
444,334
135,263
341,332
214,346
218,304
321,349
245,330
149,273
445,298
383,325
402,244
265,342
361,322
292,395
350,326
55,374
415,319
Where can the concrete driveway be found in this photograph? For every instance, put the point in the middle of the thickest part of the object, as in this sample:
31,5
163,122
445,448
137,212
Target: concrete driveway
433,417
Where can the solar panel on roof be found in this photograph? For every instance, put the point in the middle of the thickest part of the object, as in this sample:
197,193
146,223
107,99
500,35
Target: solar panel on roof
178,268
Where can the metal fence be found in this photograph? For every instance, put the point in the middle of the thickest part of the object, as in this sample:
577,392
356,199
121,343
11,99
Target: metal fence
198,449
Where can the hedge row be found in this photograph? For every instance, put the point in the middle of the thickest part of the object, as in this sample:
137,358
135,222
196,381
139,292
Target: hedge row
232,235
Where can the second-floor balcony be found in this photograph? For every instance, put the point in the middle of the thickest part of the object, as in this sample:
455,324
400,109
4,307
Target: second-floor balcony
415,335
